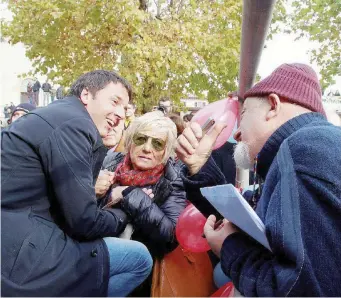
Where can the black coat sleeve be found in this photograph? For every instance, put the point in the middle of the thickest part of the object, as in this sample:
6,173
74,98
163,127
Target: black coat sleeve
209,175
156,222
67,160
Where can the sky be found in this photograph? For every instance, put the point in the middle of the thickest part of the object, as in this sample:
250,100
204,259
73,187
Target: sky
284,49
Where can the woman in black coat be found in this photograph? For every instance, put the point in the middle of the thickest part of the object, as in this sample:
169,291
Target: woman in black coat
147,184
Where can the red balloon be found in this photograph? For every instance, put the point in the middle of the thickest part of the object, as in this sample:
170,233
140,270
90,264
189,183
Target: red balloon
224,111
190,228
225,291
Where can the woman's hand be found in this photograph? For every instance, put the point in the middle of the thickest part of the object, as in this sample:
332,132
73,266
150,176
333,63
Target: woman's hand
148,192
104,181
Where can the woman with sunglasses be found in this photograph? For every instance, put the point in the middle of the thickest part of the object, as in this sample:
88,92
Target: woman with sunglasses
147,183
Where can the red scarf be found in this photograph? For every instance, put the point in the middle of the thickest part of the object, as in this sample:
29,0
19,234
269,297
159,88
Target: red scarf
125,175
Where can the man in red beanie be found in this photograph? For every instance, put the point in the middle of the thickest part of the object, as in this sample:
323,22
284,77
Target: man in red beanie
298,153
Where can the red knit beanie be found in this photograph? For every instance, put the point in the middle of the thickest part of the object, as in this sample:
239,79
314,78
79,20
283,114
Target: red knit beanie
298,83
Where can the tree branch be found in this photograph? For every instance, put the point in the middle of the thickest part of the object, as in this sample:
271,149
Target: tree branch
180,6
143,5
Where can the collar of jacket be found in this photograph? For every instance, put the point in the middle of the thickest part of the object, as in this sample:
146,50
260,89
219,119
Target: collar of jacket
76,102
271,147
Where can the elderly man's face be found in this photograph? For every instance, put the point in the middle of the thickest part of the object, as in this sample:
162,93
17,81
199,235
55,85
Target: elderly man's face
148,155
252,133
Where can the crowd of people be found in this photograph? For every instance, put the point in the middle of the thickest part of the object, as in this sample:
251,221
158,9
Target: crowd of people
32,93
92,193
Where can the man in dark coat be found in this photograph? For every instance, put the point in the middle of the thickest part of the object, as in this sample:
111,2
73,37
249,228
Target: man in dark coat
36,87
298,153
52,229
60,92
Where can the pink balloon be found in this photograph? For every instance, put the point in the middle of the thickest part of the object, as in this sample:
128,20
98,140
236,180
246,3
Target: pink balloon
189,230
225,111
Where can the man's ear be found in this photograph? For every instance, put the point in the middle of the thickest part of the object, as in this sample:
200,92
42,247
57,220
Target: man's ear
85,96
275,106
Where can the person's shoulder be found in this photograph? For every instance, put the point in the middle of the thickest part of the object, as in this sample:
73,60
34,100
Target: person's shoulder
65,112
317,149
112,160
172,169
316,137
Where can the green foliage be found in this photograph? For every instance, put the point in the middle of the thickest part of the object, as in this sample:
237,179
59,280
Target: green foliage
320,21
171,49
279,17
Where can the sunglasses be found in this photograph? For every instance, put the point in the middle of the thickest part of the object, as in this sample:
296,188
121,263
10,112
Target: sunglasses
140,139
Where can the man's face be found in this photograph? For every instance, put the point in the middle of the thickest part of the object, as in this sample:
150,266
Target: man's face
107,107
252,133
130,110
114,136
17,115
167,105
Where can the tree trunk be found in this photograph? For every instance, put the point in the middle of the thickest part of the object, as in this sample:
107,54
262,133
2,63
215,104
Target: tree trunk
143,5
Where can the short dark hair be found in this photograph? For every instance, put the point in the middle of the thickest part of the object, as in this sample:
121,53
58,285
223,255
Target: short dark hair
97,80
188,117
179,123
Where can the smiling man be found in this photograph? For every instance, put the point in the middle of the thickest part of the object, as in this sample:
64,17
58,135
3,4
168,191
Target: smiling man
56,241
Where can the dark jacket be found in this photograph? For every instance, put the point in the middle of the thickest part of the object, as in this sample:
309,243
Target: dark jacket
46,87
154,220
300,206
220,169
223,157
36,86
60,92
51,227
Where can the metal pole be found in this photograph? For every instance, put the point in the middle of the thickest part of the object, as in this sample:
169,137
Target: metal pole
257,15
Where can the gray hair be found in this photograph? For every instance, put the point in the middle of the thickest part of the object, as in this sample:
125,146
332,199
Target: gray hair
153,121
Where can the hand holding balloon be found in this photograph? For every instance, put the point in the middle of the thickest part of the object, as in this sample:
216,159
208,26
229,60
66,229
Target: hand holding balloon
221,111
193,148
197,141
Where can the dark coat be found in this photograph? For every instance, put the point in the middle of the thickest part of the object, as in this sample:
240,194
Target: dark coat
219,169
154,220
51,224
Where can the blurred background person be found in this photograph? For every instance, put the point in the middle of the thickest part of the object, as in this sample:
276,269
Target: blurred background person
60,92
187,118
130,115
179,123
20,110
165,105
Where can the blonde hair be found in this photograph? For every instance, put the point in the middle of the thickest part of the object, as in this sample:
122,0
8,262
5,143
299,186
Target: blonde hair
153,121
